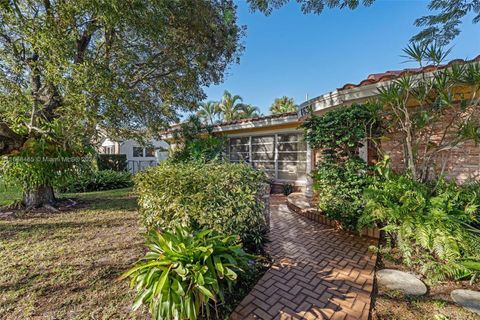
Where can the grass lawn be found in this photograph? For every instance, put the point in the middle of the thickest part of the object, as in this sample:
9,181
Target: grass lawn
8,195
65,265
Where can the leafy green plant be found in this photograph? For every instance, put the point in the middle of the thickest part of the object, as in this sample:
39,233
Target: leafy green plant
116,162
287,189
339,189
195,142
340,133
97,181
426,222
226,197
184,274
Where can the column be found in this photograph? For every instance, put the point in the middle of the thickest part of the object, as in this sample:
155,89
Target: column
309,187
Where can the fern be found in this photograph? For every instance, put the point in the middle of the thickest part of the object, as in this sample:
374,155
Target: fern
434,225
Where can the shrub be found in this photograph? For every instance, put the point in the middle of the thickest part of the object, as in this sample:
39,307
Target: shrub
115,162
430,224
184,274
195,142
339,190
220,196
287,189
98,181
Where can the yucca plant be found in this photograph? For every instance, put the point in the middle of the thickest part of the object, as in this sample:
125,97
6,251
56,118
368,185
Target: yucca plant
184,274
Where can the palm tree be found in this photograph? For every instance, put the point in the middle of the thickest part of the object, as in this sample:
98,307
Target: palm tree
282,105
207,112
229,108
248,111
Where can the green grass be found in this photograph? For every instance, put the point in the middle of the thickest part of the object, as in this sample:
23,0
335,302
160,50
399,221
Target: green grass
65,265
8,194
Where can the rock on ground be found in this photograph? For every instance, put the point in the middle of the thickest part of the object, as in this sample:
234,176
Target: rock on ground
401,281
468,299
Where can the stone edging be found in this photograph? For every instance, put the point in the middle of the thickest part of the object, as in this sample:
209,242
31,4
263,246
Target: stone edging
315,215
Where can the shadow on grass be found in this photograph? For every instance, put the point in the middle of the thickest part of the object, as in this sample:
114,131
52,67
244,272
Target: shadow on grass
119,199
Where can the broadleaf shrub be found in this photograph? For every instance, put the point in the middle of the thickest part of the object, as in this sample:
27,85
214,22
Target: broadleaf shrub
432,225
339,188
98,181
184,274
225,197
115,162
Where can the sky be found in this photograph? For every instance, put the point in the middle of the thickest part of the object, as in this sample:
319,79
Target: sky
297,55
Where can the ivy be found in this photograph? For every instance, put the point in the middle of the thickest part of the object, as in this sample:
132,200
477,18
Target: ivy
339,133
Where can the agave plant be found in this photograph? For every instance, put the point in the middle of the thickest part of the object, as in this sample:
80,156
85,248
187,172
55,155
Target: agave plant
184,274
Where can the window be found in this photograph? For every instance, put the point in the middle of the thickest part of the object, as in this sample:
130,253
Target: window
137,152
109,149
282,156
149,152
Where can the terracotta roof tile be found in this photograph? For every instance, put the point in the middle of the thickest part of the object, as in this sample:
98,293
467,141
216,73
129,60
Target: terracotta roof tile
392,74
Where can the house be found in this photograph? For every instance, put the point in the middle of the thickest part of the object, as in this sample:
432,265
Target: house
138,156
275,143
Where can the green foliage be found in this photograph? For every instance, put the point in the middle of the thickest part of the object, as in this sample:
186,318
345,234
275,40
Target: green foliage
428,114
116,162
97,181
339,189
287,188
429,223
221,196
339,133
70,67
307,6
282,105
443,26
341,176
42,162
195,142
184,274
208,112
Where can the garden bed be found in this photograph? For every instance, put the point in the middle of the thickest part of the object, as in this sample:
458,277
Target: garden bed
437,304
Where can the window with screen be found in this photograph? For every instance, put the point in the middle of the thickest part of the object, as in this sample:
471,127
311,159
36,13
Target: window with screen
263,154
292,157
282,156
239,149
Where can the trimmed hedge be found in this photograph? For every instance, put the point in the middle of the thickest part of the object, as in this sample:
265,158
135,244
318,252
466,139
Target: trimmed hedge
115,162
98,181
224,197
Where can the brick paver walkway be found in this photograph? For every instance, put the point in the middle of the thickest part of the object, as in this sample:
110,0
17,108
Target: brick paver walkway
318,273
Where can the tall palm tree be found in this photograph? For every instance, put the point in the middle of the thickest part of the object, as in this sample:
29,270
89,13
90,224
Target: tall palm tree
248,111
230,107
208,112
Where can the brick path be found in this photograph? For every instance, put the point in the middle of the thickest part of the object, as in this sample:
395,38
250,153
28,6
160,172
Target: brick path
318,273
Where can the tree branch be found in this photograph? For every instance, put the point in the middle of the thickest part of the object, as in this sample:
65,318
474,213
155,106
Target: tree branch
9,140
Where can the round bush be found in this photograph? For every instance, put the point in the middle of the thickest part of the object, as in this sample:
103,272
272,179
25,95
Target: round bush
224,197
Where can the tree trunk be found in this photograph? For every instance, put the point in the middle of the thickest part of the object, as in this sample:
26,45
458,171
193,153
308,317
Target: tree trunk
43,195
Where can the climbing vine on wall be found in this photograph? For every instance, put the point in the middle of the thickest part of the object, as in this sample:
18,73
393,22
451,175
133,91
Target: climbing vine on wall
339,133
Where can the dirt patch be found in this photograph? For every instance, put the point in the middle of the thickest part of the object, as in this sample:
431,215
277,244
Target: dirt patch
64,265
436,305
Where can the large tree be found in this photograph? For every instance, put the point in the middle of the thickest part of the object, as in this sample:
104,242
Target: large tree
282,105
69,67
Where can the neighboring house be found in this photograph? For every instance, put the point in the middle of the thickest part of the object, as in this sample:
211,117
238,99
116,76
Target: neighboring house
138,156
275,143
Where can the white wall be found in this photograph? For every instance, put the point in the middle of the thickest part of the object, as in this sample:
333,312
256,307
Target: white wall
126,147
